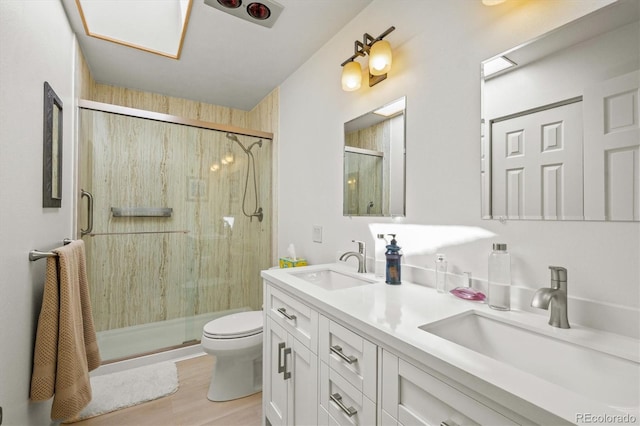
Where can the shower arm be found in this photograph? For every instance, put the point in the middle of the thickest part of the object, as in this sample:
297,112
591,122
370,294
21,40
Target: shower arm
258,210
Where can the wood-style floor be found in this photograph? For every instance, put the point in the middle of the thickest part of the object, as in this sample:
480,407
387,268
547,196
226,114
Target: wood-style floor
189,406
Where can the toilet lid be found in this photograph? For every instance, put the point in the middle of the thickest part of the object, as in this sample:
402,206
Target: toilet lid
236,325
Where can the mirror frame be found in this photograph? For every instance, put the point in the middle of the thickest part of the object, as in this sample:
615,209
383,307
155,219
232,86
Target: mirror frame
399,158
52,149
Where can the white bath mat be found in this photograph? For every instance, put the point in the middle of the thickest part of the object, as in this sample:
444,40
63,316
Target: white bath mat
130,387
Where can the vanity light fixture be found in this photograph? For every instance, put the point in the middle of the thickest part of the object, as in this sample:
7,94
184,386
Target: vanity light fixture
496,65
380,59
492,2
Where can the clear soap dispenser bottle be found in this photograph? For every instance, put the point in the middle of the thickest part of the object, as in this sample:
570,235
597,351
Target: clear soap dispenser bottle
381,242
441,273
500,278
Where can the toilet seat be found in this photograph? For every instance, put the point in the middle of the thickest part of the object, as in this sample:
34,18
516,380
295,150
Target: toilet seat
234,326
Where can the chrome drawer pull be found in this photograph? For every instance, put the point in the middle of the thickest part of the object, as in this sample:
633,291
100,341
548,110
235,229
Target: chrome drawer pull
338,351
287,374
280,366
337,398
283,311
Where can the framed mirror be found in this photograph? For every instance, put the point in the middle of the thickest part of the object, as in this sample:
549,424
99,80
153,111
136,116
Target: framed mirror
560,122
374,162
52,145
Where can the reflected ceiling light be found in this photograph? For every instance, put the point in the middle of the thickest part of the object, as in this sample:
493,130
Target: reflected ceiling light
492,2
495,65
380,59
156,26
391,109
263,12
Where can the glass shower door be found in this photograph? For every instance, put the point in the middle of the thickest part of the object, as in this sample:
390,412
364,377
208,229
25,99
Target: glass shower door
170,248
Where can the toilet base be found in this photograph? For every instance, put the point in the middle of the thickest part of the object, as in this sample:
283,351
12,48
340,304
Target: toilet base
235,377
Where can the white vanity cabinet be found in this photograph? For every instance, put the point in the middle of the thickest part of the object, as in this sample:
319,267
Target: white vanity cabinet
412,396
290,377
348,376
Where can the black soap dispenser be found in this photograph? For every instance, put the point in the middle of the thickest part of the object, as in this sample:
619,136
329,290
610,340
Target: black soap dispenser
393,262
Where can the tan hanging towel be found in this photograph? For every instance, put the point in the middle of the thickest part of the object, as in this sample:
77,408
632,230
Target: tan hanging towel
66,348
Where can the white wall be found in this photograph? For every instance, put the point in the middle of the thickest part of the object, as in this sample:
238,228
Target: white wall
438,46
36,45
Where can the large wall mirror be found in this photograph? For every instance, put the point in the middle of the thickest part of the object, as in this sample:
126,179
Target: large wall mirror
374,162
560,114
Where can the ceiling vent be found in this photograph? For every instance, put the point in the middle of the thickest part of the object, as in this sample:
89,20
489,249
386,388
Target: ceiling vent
263,12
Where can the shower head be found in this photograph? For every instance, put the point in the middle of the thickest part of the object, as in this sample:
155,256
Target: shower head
232,137
258,142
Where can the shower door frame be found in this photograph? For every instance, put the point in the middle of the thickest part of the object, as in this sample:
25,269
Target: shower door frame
166,118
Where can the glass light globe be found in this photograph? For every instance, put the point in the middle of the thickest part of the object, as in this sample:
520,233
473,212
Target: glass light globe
351,76
380,58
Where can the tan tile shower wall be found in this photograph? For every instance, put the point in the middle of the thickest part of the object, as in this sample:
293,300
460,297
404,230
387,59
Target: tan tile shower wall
212,266
207,256
173,106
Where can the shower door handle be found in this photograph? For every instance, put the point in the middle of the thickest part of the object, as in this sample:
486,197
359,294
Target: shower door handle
89,196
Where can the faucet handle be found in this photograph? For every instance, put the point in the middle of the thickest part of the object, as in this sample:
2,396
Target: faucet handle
558,273
361,245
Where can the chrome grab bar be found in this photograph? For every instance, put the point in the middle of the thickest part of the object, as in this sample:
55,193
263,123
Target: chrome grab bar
283,311
337,398
338,351
89,196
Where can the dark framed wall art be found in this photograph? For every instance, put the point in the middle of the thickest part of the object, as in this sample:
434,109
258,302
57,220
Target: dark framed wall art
52,154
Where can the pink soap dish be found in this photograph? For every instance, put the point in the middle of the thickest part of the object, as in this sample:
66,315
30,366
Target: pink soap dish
467,293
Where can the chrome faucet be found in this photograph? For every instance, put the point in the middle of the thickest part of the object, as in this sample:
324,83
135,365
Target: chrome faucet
361,255
554,298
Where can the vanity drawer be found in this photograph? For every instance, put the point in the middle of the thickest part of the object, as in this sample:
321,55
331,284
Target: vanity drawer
294,316
350,355
345,404
415,397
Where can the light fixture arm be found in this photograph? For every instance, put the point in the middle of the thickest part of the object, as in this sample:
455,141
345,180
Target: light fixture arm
362,48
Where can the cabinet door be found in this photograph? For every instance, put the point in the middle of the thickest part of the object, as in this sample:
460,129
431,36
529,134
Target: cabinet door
274,390
303,384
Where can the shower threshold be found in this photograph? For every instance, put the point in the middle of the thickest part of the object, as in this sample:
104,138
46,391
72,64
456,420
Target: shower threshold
140,340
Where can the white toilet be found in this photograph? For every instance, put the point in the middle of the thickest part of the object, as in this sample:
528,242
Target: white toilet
236,342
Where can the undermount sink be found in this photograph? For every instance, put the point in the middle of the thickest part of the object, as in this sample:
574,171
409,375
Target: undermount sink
329,279
588,372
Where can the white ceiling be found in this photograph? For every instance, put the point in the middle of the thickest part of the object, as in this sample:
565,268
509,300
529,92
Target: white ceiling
225,60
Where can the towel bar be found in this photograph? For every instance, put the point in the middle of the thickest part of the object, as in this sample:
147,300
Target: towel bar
36,254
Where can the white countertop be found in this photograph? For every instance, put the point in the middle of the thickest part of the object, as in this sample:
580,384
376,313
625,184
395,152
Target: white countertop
390,315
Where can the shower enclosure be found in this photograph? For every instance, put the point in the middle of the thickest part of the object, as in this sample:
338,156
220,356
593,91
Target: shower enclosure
176,217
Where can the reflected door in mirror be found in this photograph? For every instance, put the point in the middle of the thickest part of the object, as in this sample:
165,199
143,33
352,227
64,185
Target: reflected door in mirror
537,170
